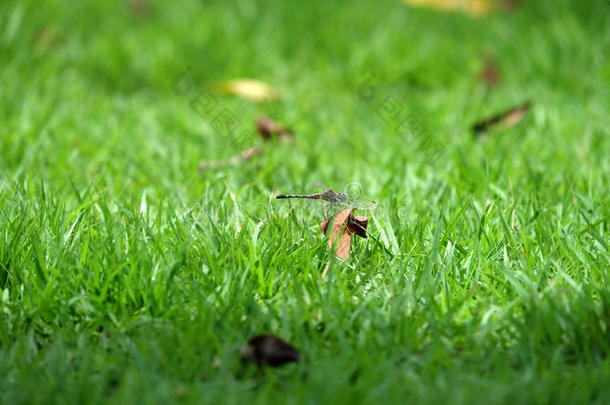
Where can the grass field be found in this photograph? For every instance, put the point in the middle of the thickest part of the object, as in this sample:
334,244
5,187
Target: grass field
129,276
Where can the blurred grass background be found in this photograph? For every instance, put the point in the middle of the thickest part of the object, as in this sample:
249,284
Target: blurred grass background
128,276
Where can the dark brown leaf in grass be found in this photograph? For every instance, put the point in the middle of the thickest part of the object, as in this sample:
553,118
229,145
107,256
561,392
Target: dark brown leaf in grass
269,350
245,156
357,224
506,118
267,128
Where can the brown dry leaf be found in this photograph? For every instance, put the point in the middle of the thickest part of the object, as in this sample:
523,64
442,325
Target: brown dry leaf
344,244
324,225
247,153
338,230
472,7
507,118
267,128
247,88
243,157
140,8
489,73
269,350
341,232
355,224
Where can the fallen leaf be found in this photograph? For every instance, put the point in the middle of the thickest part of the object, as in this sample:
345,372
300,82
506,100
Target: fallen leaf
341,232
269,350
247,153
338,230
324,225
489,73
343,245
355,224
247,88
507,118
267,128
245,156
472,7
139,8
345,223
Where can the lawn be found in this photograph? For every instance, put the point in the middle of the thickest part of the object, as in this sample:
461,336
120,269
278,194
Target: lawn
131,272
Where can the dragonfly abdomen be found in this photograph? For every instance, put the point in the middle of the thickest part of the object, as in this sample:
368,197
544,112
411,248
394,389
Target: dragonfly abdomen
313,196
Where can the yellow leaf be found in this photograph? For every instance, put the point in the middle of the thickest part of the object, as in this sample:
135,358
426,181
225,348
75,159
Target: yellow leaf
474,7
247,88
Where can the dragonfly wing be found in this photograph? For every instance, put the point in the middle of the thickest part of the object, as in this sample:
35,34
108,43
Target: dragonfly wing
316,187
361,203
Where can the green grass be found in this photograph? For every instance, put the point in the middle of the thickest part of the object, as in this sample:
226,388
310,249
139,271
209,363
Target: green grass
128,277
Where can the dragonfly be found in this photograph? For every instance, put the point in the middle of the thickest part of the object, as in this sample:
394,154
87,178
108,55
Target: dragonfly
335,201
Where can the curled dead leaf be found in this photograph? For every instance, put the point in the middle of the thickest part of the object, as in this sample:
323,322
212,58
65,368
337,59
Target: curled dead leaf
269,350
344,224
267,128
344,245
343,248
355,224
338,230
